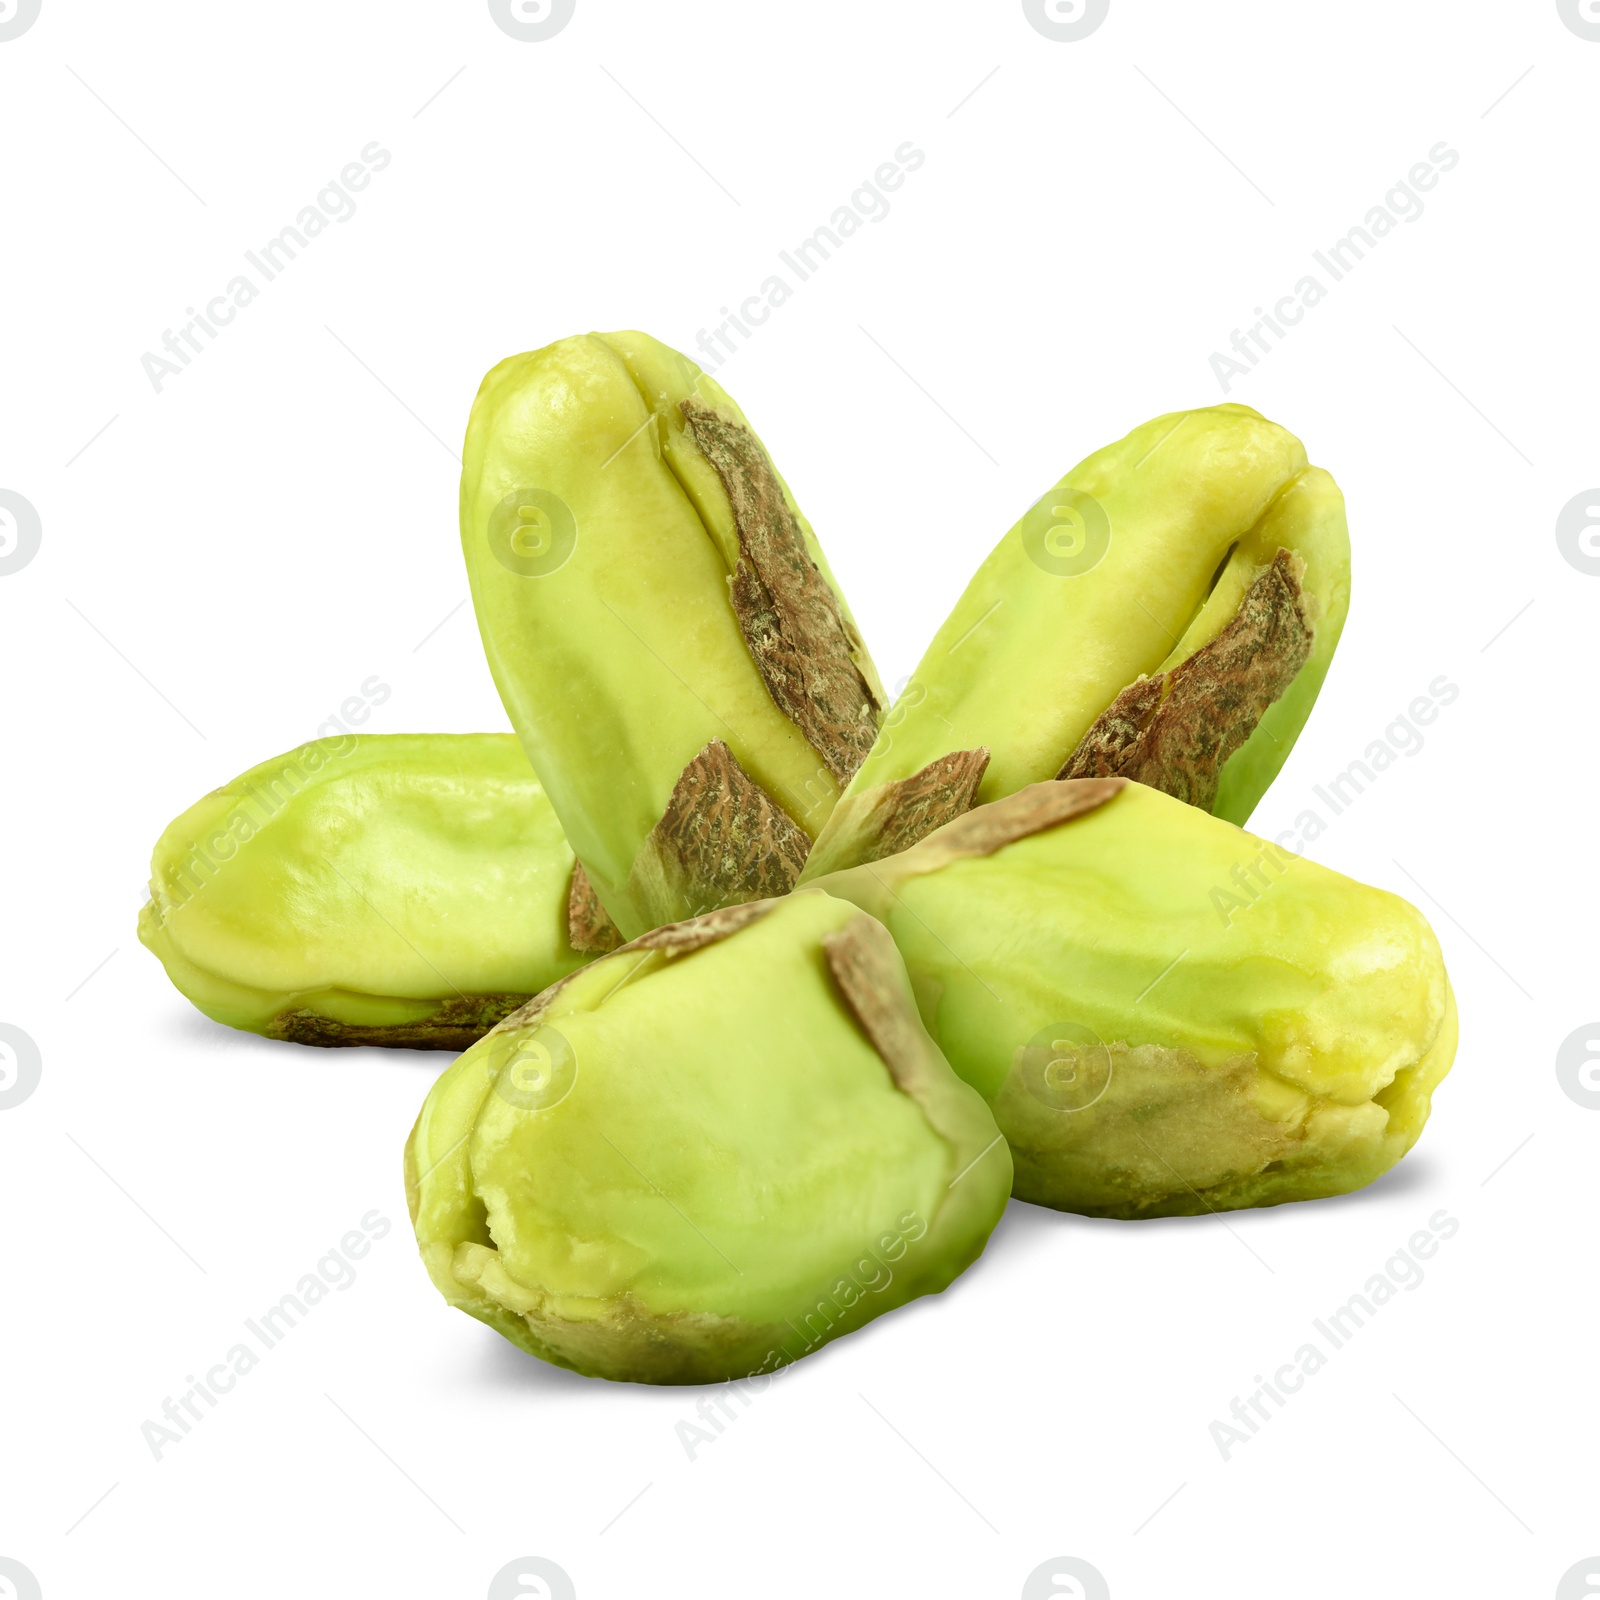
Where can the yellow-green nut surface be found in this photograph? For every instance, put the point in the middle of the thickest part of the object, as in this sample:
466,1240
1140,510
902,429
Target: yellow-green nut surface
1166,613
1167,1015
393,889
707,1153
661,623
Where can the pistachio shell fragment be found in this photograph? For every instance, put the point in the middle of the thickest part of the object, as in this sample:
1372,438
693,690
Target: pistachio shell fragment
1166,612
661,623
408,890
706,1154
1167,1015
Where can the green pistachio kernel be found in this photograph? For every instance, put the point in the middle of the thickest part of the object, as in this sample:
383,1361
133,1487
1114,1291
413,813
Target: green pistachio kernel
1166,613
707,1153
661,623
391,889
1166,1014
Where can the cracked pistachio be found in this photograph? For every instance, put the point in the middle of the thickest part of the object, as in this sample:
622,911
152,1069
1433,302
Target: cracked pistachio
707,1153
1167,1015
1166,613
389,889
661,623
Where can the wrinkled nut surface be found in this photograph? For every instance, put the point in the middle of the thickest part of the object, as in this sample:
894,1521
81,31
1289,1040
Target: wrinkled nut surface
1167,1015
1167,612
662,625
407,890
706,1154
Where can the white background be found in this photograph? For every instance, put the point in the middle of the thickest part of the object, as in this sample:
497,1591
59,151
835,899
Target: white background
225,562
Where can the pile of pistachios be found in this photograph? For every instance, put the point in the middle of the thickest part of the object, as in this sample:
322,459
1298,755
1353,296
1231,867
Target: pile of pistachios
770,993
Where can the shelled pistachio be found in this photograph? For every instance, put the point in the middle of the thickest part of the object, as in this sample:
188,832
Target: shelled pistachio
661,623
1167,1015
1167,613
707,1153
392,889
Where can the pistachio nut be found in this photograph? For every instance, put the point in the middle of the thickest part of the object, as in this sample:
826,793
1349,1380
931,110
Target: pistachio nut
1166,613
392,889
1166,1014
662,625
707,1153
